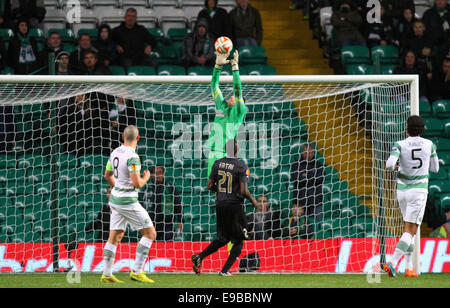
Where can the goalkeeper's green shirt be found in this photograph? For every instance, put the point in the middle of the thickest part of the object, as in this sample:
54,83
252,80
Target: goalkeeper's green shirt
228,119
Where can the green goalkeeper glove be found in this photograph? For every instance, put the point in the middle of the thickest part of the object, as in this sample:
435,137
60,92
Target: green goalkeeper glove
221,59
234,62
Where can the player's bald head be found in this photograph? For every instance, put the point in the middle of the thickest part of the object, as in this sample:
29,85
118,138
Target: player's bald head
231,148
130,134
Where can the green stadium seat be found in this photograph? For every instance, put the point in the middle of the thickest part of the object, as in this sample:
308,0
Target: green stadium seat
93,33
440,175
7,71
446,124
165,54
67,35
388,54
117,70
355,55
200,70
433,127
7,161
445,201
359,69
424,109
157,33
258,69
171,70
69,47
38,34
252,55
441,108
177,34
442,144
6,34
141,70
387,69
444,158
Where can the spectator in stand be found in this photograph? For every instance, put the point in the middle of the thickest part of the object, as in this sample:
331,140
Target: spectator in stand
440,82
437,21
62,63
314,15
5,14
405,26
217,18
163,202
76,57
134,43
263,224
33,11
442,52
23,55
307,176
395,9
347,21
410,65
420,44
382,33
246,25
54,45
107,53
101,223
297,226
198,48
92,66
444,230
121,114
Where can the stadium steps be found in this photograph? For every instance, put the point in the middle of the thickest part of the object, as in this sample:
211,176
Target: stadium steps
288,40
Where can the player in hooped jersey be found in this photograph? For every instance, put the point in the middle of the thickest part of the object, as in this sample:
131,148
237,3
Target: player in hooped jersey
416,157
123,174
229,180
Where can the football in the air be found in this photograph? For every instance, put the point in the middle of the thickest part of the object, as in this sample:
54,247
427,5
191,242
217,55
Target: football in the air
223,45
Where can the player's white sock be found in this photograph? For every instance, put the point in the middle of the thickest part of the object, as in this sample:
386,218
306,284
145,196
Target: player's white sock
141,254
401,248
109,254
408,255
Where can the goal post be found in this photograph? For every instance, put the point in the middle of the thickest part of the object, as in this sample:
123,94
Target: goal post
51,174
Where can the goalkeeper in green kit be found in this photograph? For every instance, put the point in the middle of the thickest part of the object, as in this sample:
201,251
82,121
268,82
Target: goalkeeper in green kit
229,114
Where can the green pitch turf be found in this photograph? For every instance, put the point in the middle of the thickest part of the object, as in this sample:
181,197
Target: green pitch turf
183,281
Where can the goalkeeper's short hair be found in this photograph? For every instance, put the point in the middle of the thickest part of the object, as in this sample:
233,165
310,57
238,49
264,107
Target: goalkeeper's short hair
231,148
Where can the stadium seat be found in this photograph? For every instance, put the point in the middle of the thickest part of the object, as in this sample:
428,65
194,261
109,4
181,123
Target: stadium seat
387,69
200,70
446,124
444,158
359,69
117,70
6,34
177,34
165,54
441,108
424,109
171,70
355,55
38,34
141,70
433,127
157,33
388,54
258,69
252,55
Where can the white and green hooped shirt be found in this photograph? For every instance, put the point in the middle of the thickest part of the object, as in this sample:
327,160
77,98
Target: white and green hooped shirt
122,162
417,157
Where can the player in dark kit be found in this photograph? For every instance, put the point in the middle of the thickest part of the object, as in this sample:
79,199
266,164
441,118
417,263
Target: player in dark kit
229,180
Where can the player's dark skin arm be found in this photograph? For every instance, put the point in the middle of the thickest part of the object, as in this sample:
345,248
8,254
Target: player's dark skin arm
211,185
246,193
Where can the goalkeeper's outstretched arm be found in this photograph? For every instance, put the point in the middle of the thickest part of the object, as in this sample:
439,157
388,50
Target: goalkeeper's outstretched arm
237,86
219,101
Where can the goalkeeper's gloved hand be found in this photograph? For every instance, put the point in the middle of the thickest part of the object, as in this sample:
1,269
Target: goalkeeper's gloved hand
235,61
221,59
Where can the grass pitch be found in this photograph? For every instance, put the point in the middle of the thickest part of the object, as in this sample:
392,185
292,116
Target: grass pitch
254,281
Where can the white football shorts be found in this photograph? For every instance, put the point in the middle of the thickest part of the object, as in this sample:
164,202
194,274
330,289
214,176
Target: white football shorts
412,204
134,215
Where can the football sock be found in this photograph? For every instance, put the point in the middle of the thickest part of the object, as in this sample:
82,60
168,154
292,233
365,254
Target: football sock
109,253
234,254
212,248
408,255
141,254
401,248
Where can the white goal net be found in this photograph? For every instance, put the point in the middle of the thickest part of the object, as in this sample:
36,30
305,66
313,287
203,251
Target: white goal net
315,147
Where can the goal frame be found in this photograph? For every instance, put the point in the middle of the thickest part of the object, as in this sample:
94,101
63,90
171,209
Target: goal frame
413,80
